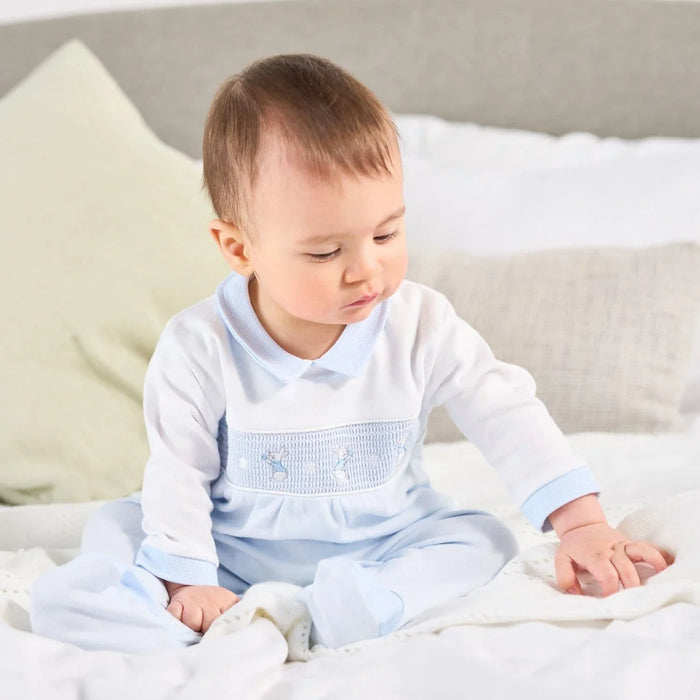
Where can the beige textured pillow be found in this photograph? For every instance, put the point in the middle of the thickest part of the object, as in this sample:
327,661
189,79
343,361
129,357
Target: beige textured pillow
104,237
607,333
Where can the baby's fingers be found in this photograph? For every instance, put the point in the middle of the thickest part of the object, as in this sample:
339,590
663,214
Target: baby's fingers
606,574
213,611
175,608
565,570
624,564
208,616
192,616
645,552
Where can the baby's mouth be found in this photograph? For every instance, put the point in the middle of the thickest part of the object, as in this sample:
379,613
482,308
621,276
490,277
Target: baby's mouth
364,300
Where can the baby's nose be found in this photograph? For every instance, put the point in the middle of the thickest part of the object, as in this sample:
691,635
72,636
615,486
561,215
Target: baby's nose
363,266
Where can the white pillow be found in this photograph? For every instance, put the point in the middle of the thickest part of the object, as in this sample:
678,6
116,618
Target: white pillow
605,332
490,190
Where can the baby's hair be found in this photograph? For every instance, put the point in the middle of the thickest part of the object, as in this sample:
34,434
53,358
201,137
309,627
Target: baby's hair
329,122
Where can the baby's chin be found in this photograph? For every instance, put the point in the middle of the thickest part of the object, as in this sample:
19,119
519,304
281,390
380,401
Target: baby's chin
356,315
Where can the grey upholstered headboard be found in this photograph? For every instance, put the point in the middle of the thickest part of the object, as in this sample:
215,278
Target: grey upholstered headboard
614,67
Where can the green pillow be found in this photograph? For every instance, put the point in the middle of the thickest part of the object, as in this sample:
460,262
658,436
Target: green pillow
104,238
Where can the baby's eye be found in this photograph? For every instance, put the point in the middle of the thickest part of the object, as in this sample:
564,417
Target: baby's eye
386,237
322,257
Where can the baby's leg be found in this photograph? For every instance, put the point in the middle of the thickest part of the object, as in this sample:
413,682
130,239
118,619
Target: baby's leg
434,560
100,600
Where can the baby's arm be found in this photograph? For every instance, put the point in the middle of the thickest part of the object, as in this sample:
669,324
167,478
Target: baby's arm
496,407
198,606
589,543
183,405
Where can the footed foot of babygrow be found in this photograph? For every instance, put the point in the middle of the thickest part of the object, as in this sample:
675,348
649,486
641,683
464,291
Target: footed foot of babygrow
348,605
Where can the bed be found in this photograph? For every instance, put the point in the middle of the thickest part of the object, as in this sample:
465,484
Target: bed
552,171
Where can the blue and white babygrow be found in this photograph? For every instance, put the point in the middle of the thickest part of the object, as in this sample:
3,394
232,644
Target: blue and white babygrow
265,466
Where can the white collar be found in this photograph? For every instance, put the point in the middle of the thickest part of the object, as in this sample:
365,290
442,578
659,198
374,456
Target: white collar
347,355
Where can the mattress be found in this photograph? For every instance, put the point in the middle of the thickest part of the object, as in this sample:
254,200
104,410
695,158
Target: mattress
519,634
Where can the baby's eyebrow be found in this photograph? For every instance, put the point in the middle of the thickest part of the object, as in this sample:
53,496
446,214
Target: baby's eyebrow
395,215
315,240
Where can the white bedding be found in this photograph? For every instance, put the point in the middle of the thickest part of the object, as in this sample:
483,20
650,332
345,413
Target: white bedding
517,636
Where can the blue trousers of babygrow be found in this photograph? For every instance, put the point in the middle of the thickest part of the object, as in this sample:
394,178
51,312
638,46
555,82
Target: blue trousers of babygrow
354,591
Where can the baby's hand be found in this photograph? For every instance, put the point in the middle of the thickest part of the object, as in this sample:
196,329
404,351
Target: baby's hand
607,555
198,606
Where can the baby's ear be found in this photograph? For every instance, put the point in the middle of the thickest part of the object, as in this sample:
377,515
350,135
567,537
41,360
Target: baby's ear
233,244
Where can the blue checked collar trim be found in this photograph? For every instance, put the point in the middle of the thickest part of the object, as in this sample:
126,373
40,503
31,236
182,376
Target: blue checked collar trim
347,356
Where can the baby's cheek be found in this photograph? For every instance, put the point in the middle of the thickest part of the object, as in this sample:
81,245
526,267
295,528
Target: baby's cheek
399,265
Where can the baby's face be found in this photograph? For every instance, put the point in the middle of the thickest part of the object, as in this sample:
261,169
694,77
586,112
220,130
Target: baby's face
324,252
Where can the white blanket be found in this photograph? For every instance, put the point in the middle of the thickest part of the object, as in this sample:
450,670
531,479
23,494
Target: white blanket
517,636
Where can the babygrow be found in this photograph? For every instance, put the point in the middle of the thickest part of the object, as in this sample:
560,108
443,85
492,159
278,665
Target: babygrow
265,466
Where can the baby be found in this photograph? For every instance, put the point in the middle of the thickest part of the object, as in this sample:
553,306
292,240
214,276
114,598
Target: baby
286,413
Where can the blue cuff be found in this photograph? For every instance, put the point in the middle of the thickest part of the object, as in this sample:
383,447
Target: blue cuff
556,493
177,569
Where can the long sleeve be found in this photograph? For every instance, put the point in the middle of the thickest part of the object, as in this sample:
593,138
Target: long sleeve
494,404
183,404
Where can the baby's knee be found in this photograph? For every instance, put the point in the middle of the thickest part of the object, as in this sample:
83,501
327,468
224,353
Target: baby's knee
479,531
